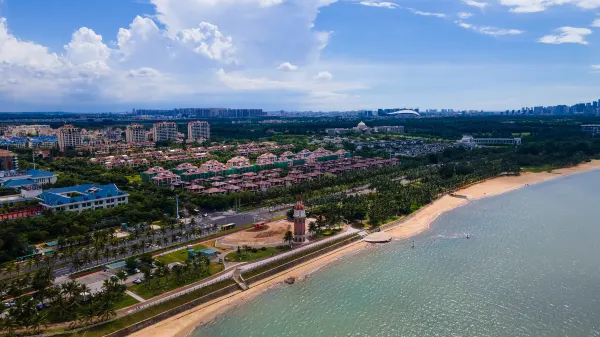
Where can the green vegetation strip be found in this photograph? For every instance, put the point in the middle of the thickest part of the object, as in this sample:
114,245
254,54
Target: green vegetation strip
278,263
155,290
152,311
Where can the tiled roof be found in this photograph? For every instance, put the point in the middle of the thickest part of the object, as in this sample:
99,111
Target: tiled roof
59,196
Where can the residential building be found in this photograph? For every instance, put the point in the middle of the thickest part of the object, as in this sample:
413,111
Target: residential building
135,133
17,179
238,161
83,197
43,142
266,158
592,129
166,179
69,137
164,131
8,161
28,130
198,131
470,141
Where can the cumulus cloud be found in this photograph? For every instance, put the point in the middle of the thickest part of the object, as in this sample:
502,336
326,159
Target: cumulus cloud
488,30
532,6
286,66
418,12
478,4
596,23
324,76
209,41
87,46
381,4
596,67
465,15
167,52
567,35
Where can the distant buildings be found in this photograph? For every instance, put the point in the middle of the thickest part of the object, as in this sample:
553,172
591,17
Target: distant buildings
364,129
403,113
164,131
135,134
470,141
83,197
29,130
69,137
204,112
198,131
43,142
8,161
592,129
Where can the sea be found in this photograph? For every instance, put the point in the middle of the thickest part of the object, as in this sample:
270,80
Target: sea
530,267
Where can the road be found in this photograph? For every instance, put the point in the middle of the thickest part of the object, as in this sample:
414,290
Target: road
216,219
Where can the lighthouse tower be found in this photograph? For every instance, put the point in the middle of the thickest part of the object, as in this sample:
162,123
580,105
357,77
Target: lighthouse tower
299,222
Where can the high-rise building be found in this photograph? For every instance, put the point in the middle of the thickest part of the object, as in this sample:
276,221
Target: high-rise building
198,131
164,131
135,133
299,221
69,137
8,161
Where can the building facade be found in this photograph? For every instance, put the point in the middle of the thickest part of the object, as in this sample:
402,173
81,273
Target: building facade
592,129
299,222
198,131
8,161
135,133
83,197
470,141
164,131
69,137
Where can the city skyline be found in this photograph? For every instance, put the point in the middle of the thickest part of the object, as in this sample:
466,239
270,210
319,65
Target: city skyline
320,55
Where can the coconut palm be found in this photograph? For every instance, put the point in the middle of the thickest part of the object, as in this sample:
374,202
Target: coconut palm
289,238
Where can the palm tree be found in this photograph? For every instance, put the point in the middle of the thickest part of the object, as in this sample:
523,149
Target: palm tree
288,237
122,276
37,321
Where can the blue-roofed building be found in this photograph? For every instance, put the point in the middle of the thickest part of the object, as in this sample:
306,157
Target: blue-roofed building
17,179
43,142
83,197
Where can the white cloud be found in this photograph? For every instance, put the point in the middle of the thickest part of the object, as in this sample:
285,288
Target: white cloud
532,6
87,46
209,41
488,30
596,67
478,4
381,4
465,15
324,75
596,23
286,66
567,35
418,12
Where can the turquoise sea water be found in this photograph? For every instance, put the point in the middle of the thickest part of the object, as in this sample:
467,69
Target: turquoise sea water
530,268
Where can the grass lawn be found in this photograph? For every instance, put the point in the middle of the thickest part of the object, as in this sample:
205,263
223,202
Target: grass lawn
538,169
141,290
134,179
327,232
250,256
126,321
125,302
178,256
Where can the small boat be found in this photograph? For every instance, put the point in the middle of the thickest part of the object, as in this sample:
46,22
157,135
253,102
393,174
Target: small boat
290,280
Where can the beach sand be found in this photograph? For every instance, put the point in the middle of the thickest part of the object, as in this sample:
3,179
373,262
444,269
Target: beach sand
183,324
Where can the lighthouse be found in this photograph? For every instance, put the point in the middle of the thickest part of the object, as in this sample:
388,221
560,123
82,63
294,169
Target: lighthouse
299,222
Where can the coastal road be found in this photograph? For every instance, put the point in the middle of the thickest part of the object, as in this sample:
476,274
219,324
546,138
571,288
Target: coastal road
211,225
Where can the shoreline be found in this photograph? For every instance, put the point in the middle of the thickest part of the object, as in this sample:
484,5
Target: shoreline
183,324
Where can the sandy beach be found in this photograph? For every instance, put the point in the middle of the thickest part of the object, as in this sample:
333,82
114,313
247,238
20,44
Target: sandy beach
184,323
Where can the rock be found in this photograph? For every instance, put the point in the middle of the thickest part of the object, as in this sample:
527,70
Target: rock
290,280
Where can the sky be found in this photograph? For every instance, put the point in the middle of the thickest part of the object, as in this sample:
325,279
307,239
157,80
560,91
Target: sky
321,55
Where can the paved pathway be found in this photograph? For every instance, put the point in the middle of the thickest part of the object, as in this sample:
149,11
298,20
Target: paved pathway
134,295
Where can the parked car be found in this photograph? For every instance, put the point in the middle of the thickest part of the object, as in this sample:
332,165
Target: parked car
137,281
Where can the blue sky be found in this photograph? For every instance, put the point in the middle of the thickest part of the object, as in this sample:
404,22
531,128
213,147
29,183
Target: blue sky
116,55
